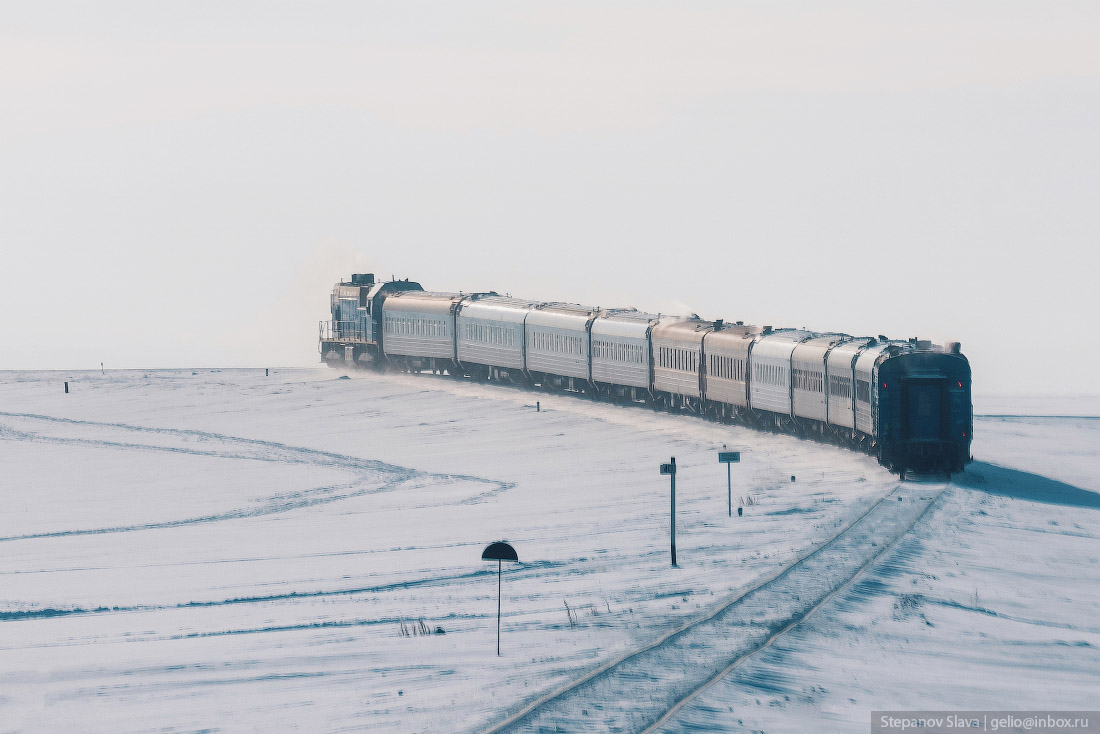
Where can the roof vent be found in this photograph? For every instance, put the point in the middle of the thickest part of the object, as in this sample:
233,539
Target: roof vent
953,347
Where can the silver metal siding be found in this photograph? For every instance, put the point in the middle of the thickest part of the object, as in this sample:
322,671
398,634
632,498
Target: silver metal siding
865,370
679,334
809,356
400,337
506,314
571,325
629,330
840,362
771,355
630,374
734,345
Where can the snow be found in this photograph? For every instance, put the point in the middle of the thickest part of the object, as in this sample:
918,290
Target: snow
990,603
205,549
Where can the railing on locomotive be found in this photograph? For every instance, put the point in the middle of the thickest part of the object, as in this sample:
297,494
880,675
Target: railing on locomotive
342,331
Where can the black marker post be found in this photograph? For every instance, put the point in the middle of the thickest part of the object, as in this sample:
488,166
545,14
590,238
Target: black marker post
670,469
499,552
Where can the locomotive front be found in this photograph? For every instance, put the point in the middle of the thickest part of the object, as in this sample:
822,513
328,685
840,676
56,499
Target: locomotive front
353,336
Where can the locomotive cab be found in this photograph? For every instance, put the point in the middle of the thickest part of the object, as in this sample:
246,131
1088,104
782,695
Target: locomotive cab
354,334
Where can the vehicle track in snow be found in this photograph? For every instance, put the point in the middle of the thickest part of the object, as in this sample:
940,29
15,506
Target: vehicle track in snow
639,691
370,476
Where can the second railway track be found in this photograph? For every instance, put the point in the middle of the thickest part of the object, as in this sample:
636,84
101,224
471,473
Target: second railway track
638,691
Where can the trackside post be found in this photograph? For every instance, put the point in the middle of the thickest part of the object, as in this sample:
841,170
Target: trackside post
499,552
670,469
727,458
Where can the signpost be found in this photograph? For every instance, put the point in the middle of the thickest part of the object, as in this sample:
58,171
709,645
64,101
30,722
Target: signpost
727,458
670,470
499,552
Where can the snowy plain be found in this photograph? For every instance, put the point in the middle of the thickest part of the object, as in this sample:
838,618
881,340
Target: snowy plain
223,550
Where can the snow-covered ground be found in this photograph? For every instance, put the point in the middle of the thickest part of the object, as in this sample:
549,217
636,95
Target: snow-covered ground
991,602
220,550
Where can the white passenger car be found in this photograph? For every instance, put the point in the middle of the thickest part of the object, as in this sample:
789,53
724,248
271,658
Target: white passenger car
489,331
842,392
620,351
419,324
727,351
677,354
865,375
558,341
808,384
770,365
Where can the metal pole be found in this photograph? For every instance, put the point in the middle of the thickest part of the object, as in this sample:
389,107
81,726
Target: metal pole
729,489
673,475
498,607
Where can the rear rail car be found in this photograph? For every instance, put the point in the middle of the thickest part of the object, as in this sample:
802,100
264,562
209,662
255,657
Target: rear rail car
924,411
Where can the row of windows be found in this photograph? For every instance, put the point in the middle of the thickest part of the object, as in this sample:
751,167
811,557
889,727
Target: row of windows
809,380
413,326
840,386
726,367
769,374
685,360
490,334
618,352
549,342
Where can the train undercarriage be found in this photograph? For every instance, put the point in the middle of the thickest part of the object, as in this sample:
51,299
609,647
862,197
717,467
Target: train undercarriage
903,457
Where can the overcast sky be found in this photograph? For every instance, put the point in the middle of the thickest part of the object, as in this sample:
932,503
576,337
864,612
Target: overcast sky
182,183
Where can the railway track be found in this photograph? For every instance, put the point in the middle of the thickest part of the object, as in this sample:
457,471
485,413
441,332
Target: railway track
639,691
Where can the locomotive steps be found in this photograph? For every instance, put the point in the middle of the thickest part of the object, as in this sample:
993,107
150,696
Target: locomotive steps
640,690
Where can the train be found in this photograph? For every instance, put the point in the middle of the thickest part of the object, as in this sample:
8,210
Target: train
906,402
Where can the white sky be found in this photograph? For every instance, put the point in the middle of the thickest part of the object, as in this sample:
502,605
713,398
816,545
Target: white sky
181,183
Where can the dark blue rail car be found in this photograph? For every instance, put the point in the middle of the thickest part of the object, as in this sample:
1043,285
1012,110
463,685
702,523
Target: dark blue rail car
924,417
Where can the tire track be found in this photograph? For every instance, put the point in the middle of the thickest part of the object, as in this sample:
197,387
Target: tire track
371,476
528,569
640,690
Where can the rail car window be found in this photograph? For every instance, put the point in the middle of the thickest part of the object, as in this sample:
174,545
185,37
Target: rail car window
619,352
551,342
769,374
840,386
413,326
808,380
682,360
863,391
497,334
727,367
